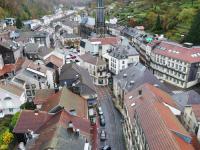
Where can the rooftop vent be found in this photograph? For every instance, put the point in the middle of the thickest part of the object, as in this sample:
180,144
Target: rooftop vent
36,112
140,92
125,75
132,82
70,124
130,97
133,104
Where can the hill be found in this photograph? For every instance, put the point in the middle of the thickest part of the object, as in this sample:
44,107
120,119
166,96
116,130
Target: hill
176,16
26,9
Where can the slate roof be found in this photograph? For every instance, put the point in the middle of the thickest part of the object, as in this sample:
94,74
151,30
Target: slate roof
31,48
122,51
139,74
69,72
88,21
92,59
186,98
161,128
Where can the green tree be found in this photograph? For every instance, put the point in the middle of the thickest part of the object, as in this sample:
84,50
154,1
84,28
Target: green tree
19,23
158,25
194,32
14,121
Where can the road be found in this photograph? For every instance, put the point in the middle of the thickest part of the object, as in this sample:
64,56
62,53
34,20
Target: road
113,126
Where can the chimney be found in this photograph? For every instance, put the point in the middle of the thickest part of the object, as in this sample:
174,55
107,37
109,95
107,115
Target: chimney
36,112
125,75
77,132
140,92
70,126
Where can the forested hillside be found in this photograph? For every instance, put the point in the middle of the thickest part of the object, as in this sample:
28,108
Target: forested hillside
170,17
26,9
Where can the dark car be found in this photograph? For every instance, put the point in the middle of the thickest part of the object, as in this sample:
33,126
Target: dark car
102,120
103,135
107,147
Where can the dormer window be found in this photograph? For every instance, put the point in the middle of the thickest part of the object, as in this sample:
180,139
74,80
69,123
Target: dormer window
7,98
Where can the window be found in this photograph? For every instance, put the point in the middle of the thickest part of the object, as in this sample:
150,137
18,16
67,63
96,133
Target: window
123,62
10,109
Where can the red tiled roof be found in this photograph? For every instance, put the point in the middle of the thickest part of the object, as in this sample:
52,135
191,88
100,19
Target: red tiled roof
177,51
49,130
157,121
28,120
196,110
42,95
106,40
8,68
67,99
54,60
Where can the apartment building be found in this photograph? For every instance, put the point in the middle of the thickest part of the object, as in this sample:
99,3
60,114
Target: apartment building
176,64
132,77
191,119
120,57
96,67
149,122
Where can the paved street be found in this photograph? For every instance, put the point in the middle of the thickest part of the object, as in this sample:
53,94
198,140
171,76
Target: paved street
113,126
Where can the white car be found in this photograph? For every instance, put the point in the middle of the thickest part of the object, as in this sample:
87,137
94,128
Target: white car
100,112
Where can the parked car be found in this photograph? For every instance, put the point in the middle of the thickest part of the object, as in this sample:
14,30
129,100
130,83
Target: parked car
100,112
107,147
102,120
103,135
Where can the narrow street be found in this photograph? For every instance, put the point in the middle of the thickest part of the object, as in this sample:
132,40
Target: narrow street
113,125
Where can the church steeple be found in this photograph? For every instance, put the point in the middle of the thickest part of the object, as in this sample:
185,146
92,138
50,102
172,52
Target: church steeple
100,18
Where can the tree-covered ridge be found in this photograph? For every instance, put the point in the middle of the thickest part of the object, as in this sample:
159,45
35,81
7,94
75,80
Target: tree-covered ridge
24,9
176,16
27,9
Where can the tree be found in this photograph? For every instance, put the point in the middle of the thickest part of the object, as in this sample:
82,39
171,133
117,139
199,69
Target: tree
7,137
158,25
194,32
14,120
19,23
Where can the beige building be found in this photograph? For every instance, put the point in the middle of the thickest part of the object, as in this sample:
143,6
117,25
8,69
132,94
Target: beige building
191,119
96,67
176,64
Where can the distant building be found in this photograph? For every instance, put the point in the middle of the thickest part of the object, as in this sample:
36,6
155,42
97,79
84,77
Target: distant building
96,67
87,26
149,121
98,46
176,64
